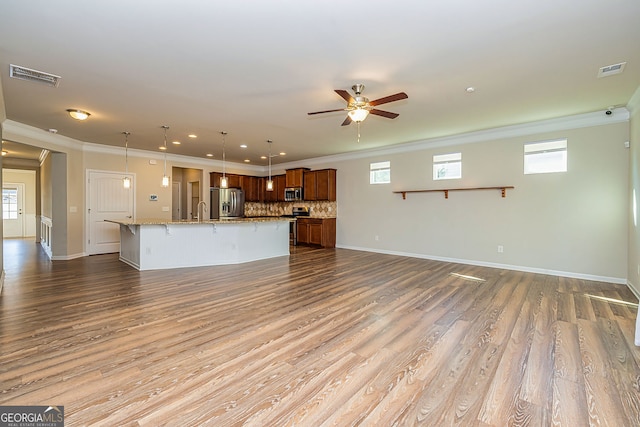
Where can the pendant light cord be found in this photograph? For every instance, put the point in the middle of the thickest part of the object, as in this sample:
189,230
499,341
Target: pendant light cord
224,156
126,151
165,127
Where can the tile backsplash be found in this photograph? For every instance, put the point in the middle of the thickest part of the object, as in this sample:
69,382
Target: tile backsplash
318,209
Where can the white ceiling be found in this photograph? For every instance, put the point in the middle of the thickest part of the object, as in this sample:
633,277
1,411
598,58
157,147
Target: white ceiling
256,68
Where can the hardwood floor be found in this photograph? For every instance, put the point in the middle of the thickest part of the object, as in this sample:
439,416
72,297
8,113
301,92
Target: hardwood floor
323,337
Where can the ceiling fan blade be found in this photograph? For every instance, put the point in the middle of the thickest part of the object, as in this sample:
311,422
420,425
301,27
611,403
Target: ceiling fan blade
390,98
387,114
326,111
347,121
345,95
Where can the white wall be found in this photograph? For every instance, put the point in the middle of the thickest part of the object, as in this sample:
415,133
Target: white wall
572,223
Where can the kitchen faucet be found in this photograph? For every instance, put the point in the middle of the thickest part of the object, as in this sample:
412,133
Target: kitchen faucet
204,209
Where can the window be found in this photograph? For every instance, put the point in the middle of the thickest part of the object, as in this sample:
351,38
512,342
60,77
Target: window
447,166
380,173
9,203
545,157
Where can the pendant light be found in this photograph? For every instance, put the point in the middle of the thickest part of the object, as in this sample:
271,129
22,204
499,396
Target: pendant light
126,181
269,181
165,178
223,180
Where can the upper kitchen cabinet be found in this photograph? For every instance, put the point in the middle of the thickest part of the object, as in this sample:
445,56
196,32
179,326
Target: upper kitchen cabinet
251,187
320,185
277,195
280,183
233,181
295,177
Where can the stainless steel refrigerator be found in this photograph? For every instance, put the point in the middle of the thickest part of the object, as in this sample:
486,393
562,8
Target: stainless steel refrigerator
226,203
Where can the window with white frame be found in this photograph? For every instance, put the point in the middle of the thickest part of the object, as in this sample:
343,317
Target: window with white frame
545,157
447,166
380,173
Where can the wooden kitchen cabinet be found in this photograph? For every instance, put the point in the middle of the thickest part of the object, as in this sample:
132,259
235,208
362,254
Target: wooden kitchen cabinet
251,187
320,185
277,195
309,188
317,232
233,180
279,184
295,177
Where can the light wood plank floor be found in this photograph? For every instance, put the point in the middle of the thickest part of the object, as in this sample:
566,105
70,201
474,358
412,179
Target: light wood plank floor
323,337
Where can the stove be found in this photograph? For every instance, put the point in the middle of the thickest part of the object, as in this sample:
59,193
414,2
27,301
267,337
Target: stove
293,226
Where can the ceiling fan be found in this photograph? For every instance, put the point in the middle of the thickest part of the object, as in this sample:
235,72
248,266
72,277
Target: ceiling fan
359,107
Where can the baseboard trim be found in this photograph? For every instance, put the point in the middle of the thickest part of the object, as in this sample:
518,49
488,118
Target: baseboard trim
67,257
573,275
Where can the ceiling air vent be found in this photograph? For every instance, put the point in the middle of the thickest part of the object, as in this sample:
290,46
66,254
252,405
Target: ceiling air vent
610,70
23,73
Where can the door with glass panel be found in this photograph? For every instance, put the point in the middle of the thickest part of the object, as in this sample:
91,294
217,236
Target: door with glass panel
13,210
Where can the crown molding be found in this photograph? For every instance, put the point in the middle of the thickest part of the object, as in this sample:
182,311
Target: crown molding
596,118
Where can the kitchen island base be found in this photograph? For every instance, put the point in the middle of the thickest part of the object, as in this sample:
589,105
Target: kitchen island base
153,246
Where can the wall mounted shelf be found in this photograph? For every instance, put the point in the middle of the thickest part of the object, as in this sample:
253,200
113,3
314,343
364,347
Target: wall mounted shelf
503,190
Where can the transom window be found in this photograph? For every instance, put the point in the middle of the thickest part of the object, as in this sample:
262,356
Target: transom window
545,157
380,173
447,166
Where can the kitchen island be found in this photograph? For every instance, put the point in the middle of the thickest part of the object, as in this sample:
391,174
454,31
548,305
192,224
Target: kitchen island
152,244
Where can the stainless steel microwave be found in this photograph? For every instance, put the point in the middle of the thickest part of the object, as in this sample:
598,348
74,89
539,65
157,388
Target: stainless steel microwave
292,194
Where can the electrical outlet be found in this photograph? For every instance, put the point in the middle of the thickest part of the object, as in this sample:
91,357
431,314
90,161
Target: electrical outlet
500,249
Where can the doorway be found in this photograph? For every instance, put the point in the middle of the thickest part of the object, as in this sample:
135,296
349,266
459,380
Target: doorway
13,211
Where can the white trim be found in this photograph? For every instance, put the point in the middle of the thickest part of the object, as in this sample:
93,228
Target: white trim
597,118
1,281
69,257
617,280
633,290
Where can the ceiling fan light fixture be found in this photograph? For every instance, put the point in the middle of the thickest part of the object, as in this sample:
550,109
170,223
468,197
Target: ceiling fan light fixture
78,114
358,115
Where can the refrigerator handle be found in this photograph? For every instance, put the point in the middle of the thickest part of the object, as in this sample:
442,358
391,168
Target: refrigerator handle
235,203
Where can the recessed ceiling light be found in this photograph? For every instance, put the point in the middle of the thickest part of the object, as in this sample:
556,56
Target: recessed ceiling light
243,146
191,135
176,142
263,157
209,155
283,154
162,147
78,114
53,130
4,152
247,161
470,89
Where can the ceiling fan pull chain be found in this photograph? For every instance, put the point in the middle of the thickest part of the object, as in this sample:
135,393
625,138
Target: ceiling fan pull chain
358,123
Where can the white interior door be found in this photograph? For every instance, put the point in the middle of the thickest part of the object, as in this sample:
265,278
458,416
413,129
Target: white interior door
13,210
176,202
107,199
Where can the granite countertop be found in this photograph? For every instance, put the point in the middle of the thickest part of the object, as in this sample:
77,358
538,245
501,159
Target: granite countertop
154,221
